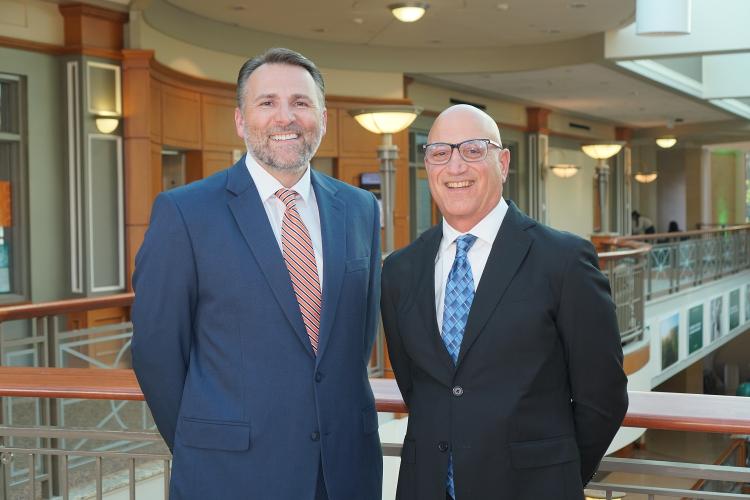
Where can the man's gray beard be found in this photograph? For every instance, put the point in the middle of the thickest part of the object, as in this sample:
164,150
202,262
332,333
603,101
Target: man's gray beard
263,156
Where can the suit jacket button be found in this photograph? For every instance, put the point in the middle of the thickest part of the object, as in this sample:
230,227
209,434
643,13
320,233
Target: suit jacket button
318,377
443,446
458,391
315,436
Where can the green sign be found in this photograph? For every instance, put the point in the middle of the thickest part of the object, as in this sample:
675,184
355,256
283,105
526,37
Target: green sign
695,328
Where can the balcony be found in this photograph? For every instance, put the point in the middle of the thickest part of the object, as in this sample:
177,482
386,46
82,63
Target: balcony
72,431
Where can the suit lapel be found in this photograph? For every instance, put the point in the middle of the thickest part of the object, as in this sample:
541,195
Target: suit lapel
252,220
508,252
425,281
333,232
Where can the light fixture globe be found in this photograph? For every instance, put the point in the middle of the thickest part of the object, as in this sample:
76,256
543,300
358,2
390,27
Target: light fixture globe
386,119
408,12
564,170
106,124
602,150
645,177
666,142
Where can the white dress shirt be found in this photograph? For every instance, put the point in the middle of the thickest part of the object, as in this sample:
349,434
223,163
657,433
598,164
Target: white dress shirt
485,231
307,206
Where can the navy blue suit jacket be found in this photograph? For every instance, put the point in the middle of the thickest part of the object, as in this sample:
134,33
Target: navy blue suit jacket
222,355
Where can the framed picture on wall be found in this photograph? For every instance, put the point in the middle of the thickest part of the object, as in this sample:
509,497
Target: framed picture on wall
716,310
670,340
695,328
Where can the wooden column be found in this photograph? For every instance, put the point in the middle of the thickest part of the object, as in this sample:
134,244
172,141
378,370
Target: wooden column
93,31
537,137
142,160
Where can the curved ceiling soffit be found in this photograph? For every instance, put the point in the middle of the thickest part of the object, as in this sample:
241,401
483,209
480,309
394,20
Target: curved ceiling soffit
195,30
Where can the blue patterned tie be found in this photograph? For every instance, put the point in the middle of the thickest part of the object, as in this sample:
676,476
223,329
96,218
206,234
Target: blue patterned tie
459,293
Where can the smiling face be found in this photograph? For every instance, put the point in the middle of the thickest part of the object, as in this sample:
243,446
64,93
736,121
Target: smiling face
282,120
465,192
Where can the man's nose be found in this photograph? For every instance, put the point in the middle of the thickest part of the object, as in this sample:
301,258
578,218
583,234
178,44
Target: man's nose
456,163
285,114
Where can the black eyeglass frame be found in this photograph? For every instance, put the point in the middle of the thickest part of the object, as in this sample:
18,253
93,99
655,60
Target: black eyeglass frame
457,146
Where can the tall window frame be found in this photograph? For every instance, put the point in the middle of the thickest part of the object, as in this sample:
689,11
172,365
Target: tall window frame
13,190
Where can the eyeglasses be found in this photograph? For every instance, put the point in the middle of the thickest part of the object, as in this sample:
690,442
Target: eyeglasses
439,153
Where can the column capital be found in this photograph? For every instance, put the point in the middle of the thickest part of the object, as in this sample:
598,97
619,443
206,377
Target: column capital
537,120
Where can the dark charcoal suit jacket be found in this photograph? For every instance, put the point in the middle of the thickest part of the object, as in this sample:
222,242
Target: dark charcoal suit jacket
539,390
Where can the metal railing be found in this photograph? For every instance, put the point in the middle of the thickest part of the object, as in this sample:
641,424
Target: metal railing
626,268
678,261
668,411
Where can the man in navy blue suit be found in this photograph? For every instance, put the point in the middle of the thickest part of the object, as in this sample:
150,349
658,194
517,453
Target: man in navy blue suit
256,293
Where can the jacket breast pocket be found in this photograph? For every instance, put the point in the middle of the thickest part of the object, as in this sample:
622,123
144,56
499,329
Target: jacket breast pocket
543,452
215,434
358,264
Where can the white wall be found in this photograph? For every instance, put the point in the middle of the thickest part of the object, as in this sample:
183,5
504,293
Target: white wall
570,202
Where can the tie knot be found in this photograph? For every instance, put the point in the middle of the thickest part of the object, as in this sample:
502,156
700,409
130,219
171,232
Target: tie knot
463,244
288,197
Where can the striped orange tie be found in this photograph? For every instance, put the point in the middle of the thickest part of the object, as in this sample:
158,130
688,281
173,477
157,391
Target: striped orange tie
299,256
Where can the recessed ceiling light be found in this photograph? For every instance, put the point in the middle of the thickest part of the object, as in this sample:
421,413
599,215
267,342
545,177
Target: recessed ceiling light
435,41
358,20
319,30
550,31
577,5
503,6
236,8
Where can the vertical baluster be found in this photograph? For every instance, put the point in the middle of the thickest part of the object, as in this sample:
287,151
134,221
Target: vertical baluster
131,477
32,475
64,489
166,479
5,463
98,474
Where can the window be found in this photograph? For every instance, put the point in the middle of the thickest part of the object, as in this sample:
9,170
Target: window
421,211
12,189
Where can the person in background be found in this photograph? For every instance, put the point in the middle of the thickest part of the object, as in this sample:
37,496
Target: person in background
642,224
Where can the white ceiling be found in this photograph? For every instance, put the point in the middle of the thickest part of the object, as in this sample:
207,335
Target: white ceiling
593,90
447,23
596,91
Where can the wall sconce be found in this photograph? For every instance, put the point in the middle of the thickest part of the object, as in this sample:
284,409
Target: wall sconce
107,124
564,170
666,142
386,121
645,177
408,12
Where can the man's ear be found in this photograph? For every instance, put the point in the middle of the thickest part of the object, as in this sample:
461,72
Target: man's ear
504,164
239,123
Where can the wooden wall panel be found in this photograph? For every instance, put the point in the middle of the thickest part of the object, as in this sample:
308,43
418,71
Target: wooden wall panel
193,166
215,161
155,111
181,117
354,140
217,124
329,147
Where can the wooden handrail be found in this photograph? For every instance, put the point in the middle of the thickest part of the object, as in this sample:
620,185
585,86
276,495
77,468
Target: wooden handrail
682,234
654,410
27,311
